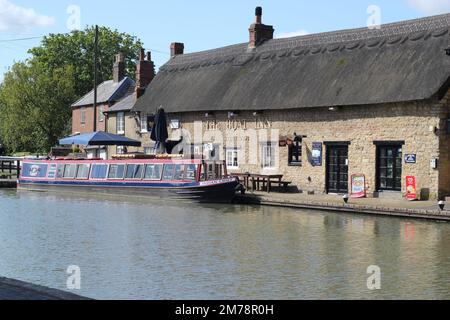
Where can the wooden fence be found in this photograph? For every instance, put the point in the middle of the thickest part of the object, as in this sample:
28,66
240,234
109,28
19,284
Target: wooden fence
10,168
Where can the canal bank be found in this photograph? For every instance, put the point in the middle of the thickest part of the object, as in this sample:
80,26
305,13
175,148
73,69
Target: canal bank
377,206
11,289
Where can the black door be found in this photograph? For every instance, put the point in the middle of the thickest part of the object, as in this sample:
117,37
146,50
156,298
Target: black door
389,168
337,169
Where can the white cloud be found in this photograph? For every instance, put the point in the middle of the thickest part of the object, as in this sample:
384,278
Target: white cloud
430,7
16,19
292,34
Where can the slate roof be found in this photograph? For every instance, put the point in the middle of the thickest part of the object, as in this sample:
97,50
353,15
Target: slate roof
108,91
126,103
400,62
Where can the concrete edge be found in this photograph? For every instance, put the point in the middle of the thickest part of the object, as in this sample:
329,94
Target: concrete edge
38,292
349,208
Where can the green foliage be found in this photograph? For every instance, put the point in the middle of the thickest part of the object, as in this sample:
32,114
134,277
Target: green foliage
77,49
34,106
36,95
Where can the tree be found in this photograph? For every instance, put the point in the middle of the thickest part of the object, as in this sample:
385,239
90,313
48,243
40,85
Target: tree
77,50
34,106
36,95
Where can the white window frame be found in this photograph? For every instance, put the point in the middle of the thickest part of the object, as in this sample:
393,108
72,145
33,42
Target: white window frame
144,123
120,122
101,116
122,148
83,115
234,156
266,148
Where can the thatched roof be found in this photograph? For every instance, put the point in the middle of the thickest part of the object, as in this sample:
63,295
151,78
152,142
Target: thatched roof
402,61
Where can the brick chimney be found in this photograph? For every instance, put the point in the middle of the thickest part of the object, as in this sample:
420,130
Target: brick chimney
145,72
176,48
119,68
259,32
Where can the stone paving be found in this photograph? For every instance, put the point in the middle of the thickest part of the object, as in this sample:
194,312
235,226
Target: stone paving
381,206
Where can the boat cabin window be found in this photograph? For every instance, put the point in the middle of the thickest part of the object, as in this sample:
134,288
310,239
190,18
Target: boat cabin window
60,171
83,171
191,172
169,170
185,172
70,171
134,171
153,172
99,171
116,171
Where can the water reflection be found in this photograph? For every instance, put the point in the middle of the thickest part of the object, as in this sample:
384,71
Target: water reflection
155,249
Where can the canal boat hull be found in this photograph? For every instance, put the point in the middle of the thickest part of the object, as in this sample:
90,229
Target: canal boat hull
220,191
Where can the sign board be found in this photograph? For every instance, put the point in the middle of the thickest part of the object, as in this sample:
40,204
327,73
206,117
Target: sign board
410,158
316,157
358,182
411,191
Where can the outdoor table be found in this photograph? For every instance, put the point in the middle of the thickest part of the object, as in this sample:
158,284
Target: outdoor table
266,180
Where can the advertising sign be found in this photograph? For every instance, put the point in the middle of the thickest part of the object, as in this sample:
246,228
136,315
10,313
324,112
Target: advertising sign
316,158
411,191
358,182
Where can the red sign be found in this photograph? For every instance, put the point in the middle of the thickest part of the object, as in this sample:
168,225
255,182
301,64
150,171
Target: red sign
411,191
358,186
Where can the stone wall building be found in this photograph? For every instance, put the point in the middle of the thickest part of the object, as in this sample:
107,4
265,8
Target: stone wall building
323,107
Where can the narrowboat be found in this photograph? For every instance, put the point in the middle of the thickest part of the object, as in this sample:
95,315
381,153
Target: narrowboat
185,179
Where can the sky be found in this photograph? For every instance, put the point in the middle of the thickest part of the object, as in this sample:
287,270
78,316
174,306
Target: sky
199,24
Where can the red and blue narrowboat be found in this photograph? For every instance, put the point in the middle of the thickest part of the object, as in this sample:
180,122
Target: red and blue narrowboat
193,179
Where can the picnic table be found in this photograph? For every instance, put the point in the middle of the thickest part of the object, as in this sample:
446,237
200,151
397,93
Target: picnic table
256,181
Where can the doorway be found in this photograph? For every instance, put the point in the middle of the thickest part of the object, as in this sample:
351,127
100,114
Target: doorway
337,169
389,167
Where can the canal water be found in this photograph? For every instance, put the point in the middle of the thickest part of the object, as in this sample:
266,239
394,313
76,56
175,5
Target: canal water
142,249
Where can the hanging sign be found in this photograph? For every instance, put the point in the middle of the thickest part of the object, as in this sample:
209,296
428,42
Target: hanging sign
316,158
358,186
411,191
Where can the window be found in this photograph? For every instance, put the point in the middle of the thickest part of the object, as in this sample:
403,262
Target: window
134,171
168,171
99,171
116,171
153,172
232,158
83,171
70,171
101,116
121,150
295,152
268,155
83,115
60,171
191,172
120,124
179,172
144,123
